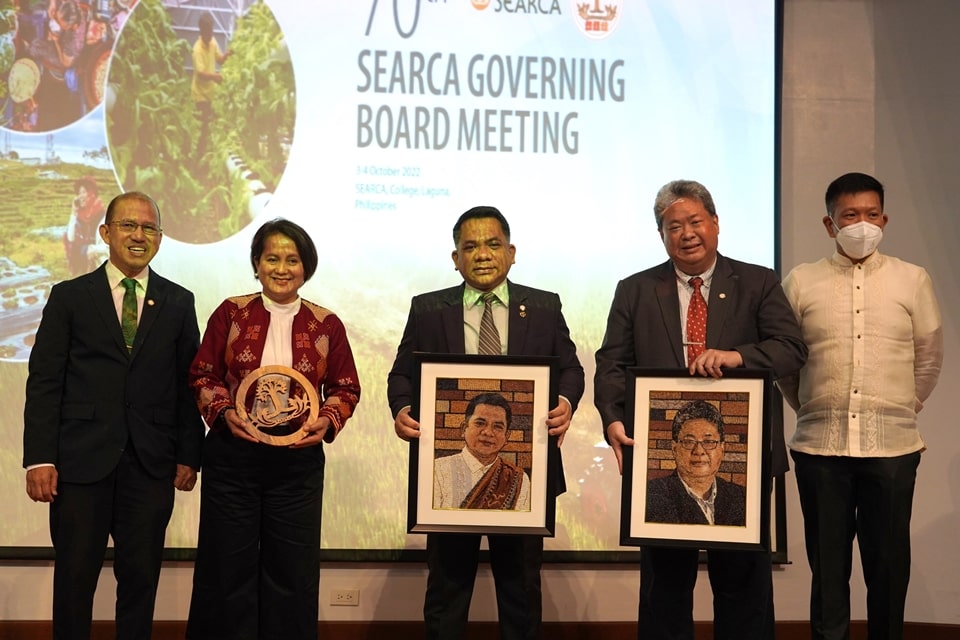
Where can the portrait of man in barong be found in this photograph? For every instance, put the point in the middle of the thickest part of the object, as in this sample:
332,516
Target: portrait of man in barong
487,471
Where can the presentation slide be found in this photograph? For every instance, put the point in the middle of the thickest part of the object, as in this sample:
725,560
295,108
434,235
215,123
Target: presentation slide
374,124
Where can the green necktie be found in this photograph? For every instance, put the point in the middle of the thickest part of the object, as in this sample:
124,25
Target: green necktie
128,316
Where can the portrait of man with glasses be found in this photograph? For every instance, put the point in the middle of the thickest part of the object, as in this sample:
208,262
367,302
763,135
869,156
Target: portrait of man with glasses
693,494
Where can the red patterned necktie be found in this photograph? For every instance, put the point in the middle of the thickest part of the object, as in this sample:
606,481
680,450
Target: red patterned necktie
696,322
489,344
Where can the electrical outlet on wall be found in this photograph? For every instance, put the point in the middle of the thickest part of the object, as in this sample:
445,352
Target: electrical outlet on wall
345,597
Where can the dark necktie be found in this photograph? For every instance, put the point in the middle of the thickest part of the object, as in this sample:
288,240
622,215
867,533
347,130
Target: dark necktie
128,314
489,336
696,322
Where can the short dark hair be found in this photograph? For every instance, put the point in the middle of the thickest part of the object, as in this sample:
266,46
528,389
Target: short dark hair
282,226
850,183
492,399
697,410
480,212
205,21
130,195
673,191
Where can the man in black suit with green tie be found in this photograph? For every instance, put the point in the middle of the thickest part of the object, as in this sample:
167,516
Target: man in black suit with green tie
110,426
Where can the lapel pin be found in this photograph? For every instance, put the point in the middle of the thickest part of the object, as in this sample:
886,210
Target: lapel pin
523,311
150,302
722,296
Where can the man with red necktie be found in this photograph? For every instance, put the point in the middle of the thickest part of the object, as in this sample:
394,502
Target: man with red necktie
706,313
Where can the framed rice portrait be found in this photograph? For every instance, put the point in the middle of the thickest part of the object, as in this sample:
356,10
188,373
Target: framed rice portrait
698,474
484,462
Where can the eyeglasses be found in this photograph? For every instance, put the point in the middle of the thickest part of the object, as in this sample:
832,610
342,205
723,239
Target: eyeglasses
129,226
691,443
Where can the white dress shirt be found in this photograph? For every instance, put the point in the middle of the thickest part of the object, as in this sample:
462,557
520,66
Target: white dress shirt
455,476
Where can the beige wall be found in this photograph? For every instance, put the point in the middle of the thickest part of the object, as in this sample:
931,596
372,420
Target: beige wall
870,86
917,139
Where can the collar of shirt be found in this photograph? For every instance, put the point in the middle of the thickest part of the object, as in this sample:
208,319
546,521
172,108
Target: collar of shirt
472,297
114,276
278,343
705,504
842,261
275,308
477,468
684,279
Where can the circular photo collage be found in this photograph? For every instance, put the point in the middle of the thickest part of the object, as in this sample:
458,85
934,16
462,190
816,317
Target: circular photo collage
193,105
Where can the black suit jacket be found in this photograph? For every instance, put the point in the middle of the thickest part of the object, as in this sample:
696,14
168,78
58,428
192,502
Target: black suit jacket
747,312
435,325
668,501
87,398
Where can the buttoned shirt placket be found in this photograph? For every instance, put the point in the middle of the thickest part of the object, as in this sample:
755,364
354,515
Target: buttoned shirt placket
858,296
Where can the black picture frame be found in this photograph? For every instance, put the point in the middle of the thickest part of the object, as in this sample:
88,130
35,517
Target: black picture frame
443,386
744,398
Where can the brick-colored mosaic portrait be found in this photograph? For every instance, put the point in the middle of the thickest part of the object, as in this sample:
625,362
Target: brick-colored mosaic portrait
453,396
733,406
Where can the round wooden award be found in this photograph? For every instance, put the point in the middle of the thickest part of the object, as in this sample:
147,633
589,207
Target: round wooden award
275,403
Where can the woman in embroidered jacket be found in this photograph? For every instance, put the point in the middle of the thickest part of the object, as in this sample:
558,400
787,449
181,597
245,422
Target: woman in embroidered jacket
257,569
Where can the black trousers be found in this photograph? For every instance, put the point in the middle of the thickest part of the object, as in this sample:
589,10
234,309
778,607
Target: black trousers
452,562
133,508
742,583
872,499
257,574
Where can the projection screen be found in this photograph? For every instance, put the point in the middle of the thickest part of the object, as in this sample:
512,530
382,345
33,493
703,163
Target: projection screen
374,124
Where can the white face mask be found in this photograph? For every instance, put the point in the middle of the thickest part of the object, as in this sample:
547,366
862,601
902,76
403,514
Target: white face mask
858,240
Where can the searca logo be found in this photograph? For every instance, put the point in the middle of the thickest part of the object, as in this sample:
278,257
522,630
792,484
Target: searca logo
592,19
542,7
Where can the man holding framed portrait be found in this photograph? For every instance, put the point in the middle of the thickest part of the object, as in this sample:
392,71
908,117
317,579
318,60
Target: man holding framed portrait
706,313
485,315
